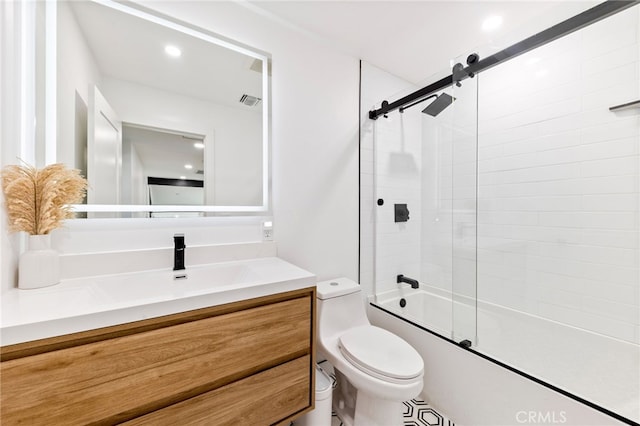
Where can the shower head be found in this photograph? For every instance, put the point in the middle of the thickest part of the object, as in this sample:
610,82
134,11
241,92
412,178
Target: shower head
436,107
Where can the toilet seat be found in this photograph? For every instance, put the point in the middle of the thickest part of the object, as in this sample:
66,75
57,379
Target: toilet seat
381,354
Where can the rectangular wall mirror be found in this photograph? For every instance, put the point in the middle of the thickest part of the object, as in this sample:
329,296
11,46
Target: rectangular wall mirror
163,119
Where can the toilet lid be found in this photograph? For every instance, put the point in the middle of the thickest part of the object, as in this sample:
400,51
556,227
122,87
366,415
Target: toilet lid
380,352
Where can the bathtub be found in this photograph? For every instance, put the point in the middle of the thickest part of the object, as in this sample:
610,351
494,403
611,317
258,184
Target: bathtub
598,369
423,308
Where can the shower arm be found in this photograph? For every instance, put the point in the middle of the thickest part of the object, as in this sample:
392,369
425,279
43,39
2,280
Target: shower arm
401,109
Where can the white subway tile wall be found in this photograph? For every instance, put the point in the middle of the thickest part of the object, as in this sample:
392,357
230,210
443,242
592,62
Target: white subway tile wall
558,180
393,183
398,169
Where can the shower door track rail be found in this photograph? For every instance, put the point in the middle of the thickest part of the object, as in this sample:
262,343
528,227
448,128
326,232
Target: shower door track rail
462,345
586,18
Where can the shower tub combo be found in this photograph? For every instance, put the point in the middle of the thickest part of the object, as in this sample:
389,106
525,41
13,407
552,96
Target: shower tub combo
513,199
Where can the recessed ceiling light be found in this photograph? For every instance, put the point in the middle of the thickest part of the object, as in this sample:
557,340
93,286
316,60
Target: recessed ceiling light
188,166
492,23
172,51
183,177
198,145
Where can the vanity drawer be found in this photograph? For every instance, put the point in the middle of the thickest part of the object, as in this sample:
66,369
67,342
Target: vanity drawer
262,399
121,378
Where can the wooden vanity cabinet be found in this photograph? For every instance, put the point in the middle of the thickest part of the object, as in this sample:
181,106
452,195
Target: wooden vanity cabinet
249,363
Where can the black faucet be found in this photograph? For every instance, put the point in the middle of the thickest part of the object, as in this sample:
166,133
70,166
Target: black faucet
402,279
178,252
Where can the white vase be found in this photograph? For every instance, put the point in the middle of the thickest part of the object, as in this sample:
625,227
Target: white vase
39,265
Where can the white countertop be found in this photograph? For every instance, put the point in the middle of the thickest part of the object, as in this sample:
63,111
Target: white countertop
87,303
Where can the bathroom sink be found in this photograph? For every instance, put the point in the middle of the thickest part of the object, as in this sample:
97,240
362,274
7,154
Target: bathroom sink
190,281
92,302
213,276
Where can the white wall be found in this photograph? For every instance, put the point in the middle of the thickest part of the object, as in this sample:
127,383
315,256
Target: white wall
558,225
11,104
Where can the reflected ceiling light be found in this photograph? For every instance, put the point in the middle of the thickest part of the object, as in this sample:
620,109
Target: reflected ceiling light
183,177
188,166
172,51
198,145
492,23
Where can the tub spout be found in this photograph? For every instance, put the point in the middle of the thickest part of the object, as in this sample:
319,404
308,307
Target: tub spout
402,279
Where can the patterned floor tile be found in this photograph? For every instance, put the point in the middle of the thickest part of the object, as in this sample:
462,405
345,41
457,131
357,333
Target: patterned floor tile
418,413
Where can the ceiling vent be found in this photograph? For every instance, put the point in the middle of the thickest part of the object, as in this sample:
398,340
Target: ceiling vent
249,100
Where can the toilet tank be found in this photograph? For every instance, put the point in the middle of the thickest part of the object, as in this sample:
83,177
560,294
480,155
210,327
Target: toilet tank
340,307
336,288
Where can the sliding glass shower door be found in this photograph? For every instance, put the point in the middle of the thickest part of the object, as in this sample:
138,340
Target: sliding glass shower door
464,149
425,227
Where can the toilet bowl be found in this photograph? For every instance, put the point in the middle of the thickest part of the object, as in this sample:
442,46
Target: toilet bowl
384,369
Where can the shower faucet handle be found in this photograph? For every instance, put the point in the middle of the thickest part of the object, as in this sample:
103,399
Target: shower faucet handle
401,213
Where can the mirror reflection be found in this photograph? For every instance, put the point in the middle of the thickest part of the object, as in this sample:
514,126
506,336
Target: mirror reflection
162,167
154,116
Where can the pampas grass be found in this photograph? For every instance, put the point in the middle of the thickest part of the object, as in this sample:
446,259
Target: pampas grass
38,200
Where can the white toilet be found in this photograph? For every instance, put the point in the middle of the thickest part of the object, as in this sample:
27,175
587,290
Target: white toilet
384,369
